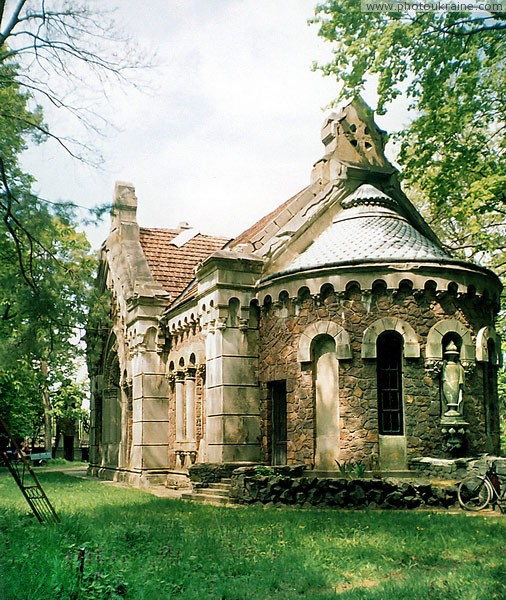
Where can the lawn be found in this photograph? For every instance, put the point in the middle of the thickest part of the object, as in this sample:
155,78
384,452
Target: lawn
115,542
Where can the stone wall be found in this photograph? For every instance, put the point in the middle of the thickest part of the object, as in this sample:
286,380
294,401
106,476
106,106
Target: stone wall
248,488
456,469
284,321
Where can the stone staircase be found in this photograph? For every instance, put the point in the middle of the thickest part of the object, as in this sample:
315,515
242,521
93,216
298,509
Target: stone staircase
213,493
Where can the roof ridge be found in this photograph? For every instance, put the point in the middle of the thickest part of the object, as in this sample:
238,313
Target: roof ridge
245,236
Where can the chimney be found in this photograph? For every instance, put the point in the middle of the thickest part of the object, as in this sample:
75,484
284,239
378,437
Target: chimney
124,208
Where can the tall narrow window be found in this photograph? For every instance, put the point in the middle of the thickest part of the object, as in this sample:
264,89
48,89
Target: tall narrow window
279,422
490,398
389,369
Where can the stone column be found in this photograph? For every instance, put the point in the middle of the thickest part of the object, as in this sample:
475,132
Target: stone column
96,421
189,386
180,400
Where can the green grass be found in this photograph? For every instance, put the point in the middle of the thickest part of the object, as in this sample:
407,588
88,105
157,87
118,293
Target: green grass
141,547
62,462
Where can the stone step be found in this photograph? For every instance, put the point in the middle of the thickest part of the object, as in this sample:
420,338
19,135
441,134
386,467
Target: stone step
212,487
221,485
213,493
206,498
209,492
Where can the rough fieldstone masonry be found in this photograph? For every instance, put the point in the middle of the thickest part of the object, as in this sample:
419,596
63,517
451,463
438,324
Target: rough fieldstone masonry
337,328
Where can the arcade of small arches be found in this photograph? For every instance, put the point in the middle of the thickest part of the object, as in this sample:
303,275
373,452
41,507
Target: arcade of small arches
244,313
343,289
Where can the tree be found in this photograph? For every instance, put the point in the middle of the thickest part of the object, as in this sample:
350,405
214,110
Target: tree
57,52
452,68
68,52
67,412
19,405
45,273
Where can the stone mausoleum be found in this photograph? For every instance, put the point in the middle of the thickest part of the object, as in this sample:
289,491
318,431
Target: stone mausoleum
335,328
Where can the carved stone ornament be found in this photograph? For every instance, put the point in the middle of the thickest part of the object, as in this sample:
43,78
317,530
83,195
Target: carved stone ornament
185,458
190,372
453,436
434,366
469,366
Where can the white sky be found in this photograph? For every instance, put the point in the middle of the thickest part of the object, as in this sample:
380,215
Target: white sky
232,129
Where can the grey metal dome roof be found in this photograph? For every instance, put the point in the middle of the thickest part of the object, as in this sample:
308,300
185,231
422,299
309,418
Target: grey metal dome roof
368,229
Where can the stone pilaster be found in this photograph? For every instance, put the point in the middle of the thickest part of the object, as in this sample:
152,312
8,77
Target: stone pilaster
232,392
232,428
150,413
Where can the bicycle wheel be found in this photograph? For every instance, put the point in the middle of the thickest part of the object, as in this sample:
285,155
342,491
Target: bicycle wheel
474,493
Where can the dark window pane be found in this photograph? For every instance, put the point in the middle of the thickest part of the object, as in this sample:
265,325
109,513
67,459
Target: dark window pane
389,370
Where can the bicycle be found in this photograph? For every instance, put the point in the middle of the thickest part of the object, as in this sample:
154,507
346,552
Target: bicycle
476,492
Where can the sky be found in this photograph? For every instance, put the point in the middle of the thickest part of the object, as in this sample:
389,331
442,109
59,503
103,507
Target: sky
229,128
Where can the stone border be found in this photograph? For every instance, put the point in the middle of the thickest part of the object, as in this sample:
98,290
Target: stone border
249,488
456,469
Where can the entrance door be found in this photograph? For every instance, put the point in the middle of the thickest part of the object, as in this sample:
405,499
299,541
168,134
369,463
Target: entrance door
68,447
279,428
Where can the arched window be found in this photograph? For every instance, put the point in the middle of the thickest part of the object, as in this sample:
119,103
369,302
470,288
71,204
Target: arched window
389,372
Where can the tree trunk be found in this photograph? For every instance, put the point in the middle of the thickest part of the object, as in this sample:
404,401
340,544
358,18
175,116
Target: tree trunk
47,408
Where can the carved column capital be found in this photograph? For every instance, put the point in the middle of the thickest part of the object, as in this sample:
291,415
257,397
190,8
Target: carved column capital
221,324
127,383
189,372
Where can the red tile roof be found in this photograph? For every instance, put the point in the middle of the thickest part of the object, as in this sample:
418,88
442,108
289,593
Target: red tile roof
173,267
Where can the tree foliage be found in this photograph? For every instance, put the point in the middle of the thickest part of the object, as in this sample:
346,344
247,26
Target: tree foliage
20,404
452,68
45,272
